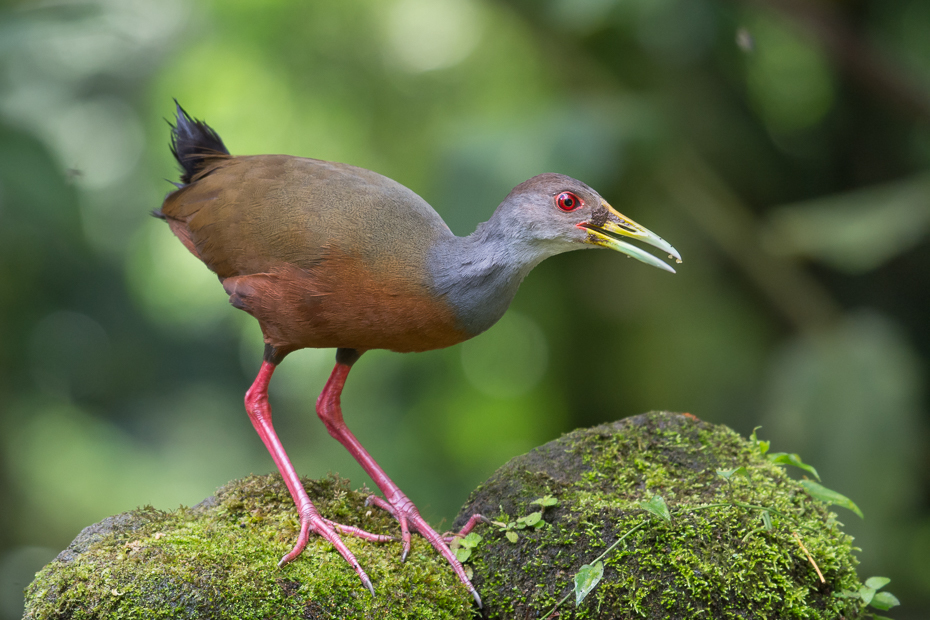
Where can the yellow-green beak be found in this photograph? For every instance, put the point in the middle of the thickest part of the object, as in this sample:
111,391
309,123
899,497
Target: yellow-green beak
606,227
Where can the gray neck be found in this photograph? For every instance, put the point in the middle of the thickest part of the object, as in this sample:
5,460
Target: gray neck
478,275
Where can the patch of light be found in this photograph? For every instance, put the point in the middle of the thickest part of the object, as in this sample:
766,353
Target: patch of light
424,35
101,140
173,287
508,360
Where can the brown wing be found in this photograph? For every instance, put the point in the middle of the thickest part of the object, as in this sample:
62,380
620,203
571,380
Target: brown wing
322,254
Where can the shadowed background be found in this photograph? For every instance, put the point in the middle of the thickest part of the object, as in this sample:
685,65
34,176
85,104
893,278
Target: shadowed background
782,146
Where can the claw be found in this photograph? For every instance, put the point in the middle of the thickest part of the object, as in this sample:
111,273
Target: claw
367,583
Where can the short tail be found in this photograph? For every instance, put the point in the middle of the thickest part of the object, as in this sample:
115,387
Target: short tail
193,142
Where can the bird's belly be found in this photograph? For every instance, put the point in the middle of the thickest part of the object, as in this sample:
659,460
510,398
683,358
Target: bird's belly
359,310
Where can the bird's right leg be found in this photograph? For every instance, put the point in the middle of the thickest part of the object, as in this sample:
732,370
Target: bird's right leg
256,404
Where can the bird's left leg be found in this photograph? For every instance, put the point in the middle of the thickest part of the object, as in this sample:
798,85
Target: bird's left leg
395,502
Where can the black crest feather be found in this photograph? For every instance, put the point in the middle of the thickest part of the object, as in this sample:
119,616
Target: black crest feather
192,143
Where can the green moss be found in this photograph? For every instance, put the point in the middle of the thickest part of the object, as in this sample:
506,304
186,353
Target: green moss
708,563
219,560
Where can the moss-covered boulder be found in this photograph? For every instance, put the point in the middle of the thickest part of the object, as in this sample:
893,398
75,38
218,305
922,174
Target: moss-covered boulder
220,560
716,558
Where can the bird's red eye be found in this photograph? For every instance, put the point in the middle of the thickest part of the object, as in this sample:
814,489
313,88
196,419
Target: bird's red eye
568,201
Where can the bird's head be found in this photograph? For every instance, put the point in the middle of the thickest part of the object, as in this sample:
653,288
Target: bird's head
559,212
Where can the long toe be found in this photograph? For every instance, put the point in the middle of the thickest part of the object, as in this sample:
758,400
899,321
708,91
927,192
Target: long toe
409,517
358,532
474,520
312,521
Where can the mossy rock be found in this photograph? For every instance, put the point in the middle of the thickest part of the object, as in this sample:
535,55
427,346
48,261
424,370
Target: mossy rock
220,560
719,562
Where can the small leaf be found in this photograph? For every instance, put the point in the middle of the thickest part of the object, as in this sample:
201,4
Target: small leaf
545,501
761,446
726,474
469,572
866,593
829,497
885,601
877,583
471,541
531,519
462,554
783,458
512,536
657,506
766,520
587,577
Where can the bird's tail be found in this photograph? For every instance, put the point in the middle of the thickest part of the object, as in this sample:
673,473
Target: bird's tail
193,144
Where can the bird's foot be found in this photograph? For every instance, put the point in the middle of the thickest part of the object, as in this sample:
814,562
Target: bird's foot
311,521
409,518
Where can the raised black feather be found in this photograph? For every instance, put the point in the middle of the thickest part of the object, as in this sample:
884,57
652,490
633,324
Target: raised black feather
191,142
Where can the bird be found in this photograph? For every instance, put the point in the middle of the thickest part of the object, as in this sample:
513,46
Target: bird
330,255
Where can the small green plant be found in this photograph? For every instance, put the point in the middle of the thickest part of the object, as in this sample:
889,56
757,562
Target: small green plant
780,458
656,505
534,519
462,546
818,491
869,594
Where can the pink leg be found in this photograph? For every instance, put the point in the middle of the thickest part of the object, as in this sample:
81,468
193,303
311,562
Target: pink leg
395,502
256,404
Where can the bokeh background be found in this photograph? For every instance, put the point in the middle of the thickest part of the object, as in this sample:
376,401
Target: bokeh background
783,146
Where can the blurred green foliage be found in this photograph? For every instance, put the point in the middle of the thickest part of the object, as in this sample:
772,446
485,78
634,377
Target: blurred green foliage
792,178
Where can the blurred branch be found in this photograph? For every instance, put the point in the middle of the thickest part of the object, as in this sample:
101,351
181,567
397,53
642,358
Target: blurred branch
855,55
722,216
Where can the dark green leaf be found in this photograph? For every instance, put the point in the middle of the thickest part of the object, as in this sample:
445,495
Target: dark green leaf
657,506
531,519
783,458
830,497
586,579
885,601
